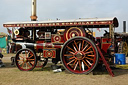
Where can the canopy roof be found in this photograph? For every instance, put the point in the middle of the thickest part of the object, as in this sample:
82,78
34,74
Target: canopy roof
85,22
121,34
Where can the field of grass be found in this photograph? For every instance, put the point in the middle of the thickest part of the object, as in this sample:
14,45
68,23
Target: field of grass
13,76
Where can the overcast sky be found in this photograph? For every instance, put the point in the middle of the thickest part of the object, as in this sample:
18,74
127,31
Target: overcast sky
20,10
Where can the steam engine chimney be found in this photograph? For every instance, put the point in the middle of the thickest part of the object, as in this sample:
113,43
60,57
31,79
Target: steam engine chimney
33,15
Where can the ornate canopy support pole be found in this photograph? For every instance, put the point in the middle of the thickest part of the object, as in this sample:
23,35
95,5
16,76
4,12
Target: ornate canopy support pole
33,16
111,31
12,32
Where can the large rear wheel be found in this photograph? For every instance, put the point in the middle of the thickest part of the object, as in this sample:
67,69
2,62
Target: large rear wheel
79,55
26,59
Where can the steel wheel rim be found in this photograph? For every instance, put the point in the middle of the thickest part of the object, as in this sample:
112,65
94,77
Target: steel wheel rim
125,48
83,64
25,60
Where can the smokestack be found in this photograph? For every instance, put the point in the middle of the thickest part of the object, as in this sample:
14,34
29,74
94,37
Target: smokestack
124,26
33,15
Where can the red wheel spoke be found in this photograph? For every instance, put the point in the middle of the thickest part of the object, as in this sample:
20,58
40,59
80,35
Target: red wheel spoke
78,42
79,46
70,61
89,62
91,55
88,48
76,66
26,53
82,44
89,52
74,63
31,56
75,44
22,64
28,65
68,55
75,48
89,58
86,64
80,65
30,59
19,60
71,58
21,56
71,52
31,63
85,47
70,48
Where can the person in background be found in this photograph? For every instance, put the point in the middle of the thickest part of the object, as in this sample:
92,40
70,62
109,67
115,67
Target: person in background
1,63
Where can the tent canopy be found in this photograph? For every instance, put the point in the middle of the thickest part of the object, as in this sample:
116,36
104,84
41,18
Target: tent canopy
3,42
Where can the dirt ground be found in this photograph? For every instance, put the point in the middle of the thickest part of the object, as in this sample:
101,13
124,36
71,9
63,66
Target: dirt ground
12,76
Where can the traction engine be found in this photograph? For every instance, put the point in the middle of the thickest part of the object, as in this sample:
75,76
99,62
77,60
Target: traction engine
69,41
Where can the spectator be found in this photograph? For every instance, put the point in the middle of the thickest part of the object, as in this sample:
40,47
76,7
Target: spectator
1,63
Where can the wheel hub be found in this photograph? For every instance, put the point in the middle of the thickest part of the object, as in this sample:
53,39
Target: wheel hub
25,59
79,55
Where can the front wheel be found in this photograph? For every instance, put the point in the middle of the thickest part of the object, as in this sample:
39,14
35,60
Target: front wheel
26,59
79,55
